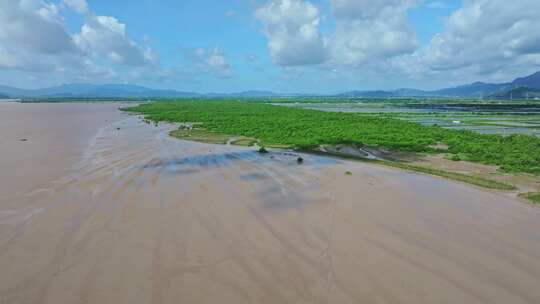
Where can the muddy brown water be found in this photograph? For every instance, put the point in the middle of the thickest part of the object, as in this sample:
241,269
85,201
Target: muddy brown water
90,213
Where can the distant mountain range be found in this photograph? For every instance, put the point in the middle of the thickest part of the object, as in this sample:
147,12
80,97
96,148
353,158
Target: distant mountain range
93,91
518,88
523,87
244,94
518,93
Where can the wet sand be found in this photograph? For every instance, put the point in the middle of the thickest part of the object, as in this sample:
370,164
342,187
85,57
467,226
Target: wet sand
134,216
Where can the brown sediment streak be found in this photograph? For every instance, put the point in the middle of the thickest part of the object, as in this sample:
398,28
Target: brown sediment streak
98,215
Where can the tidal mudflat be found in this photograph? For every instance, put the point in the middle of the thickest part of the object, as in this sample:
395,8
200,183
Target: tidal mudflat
99,207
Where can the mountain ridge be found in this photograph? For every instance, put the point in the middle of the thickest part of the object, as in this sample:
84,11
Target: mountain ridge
85,90
472,90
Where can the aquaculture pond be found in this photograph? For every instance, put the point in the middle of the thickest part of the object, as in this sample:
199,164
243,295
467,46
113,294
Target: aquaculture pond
504,119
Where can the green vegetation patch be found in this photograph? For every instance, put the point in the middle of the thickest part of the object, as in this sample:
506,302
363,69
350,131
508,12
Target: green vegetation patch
201,135
304,128
534,197
244,141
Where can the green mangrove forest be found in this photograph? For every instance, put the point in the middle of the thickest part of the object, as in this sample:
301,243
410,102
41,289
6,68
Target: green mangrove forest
306,129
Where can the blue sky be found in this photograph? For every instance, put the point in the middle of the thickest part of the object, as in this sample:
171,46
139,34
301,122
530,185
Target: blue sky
308,46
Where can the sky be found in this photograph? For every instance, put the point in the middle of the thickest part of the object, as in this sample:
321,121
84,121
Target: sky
287,46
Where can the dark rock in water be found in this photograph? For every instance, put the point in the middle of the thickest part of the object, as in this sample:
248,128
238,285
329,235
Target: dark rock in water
263,150
117,128
299,160
23,139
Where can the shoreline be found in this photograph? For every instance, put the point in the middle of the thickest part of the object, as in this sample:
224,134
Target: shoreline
484,183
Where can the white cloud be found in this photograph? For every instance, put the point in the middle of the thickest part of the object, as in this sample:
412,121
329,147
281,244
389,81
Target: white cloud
230,13
106,36
483,38
292,29
212,61
80,6
364,31
368,30
32,26
367,9
34,39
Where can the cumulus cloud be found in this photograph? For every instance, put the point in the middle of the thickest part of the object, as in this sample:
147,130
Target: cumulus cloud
35,39
212,61
484,37
106,36
354,9
292,29
364,31
34,27
367,30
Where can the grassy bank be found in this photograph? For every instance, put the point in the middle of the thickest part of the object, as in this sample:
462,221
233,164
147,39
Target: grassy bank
303,128
209,137
200,135
533,197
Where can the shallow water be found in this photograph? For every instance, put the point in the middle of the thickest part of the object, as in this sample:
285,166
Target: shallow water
139,217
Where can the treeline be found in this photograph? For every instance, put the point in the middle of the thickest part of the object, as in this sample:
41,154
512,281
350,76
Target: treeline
308,128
